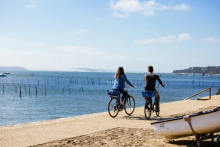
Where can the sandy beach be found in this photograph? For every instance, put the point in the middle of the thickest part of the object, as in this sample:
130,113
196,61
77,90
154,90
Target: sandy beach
101,130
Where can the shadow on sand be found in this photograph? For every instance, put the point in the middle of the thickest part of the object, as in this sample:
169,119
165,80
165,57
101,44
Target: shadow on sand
193,143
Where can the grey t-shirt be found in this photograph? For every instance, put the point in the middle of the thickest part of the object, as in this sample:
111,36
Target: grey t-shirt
150,81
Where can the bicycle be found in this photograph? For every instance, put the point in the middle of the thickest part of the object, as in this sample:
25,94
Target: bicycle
149,106
114,105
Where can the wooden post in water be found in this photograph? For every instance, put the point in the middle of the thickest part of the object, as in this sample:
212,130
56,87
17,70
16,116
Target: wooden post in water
20,91
69,88
63,89
25,89
36,90
210,93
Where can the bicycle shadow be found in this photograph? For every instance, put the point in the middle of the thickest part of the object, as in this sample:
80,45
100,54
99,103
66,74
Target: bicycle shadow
152,118
143,118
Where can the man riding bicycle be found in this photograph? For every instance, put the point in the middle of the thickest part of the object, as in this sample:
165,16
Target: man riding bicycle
150,81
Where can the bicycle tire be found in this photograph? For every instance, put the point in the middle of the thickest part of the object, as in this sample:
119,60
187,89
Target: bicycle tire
129,105
113,107
147,110
218,139
158,111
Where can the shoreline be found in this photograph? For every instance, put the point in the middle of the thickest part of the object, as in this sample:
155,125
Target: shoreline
35,133
69,118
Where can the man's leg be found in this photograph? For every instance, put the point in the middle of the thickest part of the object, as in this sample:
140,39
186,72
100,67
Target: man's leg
157,99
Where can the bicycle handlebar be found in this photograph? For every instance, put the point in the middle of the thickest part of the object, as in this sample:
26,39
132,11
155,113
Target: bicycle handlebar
158,86
128,87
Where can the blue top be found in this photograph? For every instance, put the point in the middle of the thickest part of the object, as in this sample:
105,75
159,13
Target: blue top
120,82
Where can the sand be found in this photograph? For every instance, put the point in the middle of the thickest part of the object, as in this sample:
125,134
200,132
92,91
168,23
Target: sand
101,130
130,137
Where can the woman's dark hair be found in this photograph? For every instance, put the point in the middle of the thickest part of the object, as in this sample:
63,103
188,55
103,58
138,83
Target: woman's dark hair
119,72
150,68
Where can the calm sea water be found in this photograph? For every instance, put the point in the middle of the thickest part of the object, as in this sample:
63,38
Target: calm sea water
50,95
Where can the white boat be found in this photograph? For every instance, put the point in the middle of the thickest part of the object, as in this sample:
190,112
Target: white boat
62,74
202,123
2,75
7,73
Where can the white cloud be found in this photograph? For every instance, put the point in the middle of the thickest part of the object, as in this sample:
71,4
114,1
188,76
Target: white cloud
167,39
147,8
31,6
148,41
211,40
184,37
181,7
121,15
81,31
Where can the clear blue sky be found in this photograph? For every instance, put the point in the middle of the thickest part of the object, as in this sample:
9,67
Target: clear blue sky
106,34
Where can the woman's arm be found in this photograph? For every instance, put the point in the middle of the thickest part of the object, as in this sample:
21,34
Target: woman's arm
126,80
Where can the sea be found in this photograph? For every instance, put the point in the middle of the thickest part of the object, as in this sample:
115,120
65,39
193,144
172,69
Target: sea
30,96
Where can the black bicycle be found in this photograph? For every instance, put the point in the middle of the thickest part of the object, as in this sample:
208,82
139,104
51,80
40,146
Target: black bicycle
149,104
114,105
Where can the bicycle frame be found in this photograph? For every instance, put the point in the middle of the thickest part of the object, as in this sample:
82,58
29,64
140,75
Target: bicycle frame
149,100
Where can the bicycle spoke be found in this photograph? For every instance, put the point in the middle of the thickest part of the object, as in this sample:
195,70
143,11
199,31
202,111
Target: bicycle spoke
147,110
113,107
129,105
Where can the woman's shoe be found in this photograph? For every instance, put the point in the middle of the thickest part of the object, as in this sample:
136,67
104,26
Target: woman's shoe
121,103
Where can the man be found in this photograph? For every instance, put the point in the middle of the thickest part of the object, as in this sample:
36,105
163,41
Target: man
150,81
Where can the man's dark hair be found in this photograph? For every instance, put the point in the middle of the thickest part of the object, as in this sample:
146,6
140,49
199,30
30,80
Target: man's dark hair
150,68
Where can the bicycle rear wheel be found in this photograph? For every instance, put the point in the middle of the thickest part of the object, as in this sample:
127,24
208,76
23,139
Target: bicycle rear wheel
113,107
129,105
147,110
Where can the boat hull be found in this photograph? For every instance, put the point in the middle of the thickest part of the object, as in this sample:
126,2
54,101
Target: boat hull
202,124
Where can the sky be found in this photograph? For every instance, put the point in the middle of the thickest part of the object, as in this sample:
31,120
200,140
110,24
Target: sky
106,34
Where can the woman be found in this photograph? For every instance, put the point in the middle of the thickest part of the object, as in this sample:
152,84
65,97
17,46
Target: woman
119,84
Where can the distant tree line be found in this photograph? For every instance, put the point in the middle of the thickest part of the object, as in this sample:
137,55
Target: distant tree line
205,70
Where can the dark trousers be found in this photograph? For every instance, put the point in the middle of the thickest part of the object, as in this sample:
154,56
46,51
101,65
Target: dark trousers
157,101
157,98
122,91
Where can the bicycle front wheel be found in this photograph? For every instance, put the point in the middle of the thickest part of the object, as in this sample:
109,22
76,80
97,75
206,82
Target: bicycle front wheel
113,107
147,110
129,105
158,111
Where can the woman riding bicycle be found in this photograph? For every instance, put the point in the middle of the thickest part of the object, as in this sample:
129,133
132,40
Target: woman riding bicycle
119,84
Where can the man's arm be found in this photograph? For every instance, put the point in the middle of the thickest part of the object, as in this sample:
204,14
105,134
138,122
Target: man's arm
158,79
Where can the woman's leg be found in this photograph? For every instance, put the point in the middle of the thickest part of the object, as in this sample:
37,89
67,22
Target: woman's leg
122,91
